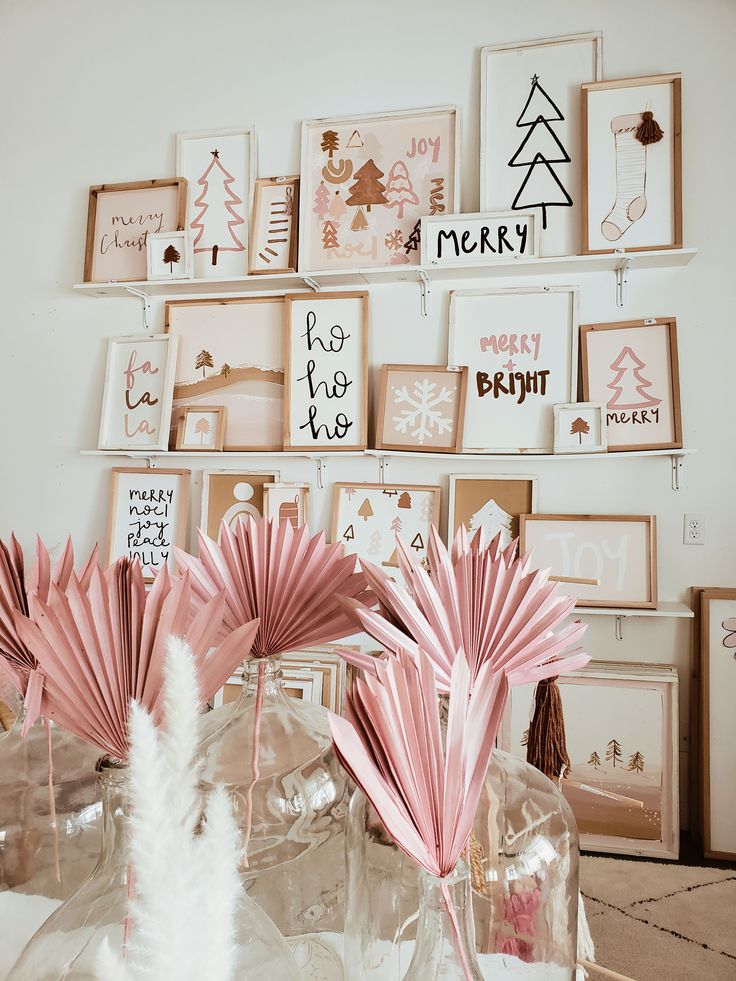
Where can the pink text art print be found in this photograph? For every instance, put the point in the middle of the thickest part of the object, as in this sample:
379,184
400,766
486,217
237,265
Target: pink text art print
368,180
220,169
632,369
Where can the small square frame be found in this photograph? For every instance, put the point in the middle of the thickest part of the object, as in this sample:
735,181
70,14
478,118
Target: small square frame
383,443
183,242
217,410
564,407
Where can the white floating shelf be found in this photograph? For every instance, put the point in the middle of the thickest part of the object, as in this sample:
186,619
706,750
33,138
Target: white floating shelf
522,456
219,454
676,610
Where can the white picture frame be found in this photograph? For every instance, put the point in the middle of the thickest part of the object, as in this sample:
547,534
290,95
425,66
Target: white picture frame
479,239
274,227
584,421
220,245
560,65
138,392
283,500
166,250
537,339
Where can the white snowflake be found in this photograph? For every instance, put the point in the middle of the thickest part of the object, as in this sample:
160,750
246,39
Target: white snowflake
424,417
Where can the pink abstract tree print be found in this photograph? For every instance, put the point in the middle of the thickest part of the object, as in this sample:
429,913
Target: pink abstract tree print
218,218
399,189
321,201
629,387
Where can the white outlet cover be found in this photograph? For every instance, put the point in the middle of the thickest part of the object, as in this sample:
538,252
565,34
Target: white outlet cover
693,530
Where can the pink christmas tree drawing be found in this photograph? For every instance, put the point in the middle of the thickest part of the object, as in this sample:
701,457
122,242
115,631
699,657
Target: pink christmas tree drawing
321,201
399,190
218,217
629,387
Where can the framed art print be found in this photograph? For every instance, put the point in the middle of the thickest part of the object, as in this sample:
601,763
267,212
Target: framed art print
229,495
220,168
149,510
604,560
580,427
201,428
286,502
493,502
530,129
633,368
170,256
231,354
520,346
274,230
421,408
366,182
120,217
139,387
479,239
367,517
621,727
632,164
326,371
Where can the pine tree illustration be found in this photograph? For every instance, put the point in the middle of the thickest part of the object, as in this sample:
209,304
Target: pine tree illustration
594,760
636,762
217,201
613,753
204,360
630,392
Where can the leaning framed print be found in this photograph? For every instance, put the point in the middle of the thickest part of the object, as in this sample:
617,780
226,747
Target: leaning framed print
229,495
220,167
603,560
717,721
520,346
580,427
530,126
274,229
231,354
201,428
120,217
621,727
366,182
286,502
169,256
479,239
149,510
367,517
632,164
493,502
633,368
139,387
326,371
421,408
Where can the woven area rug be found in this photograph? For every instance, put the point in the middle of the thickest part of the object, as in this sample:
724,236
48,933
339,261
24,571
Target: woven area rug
654,920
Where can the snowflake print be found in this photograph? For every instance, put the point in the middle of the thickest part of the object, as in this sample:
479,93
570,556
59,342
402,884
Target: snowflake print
424,416
394,240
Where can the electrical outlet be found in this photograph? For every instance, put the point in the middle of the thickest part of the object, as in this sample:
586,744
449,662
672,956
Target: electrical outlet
693,532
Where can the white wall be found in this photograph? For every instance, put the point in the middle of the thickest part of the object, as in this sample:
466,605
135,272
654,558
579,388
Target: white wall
95,91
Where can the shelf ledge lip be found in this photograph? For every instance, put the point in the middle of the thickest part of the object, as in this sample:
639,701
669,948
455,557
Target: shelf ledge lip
628,454
666,608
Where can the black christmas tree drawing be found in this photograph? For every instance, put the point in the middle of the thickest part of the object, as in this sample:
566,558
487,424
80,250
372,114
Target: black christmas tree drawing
540,151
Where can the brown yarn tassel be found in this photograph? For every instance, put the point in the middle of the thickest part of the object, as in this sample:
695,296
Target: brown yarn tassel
649,130
546,746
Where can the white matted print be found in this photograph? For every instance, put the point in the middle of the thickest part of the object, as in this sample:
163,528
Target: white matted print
326,373
231,496
493,502
718,722
286,502
601,559
421,407
139,385
148,516
230,354
633,171
201,428
367,517
220,167
275,226
170,256
366,181
479,239
580,427
621,726
520,346
530,132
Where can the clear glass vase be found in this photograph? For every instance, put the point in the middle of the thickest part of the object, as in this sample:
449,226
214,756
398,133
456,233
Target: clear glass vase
523,857
274,754
65,948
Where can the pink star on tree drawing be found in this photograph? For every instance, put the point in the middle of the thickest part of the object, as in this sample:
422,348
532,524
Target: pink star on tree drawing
629,387
217,201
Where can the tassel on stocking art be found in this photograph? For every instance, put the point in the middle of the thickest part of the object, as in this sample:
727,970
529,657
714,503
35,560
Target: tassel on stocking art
632,134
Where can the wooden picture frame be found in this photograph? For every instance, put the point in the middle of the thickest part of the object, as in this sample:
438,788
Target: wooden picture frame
479,239
435,433
346,221
640,386
472,493
243,338
138,393
275,213
167,249
149,514
284,501
594,584
321,367
587,421
145,206
231,494
717,675
520,346
621,725
615,152
214,427
391,505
